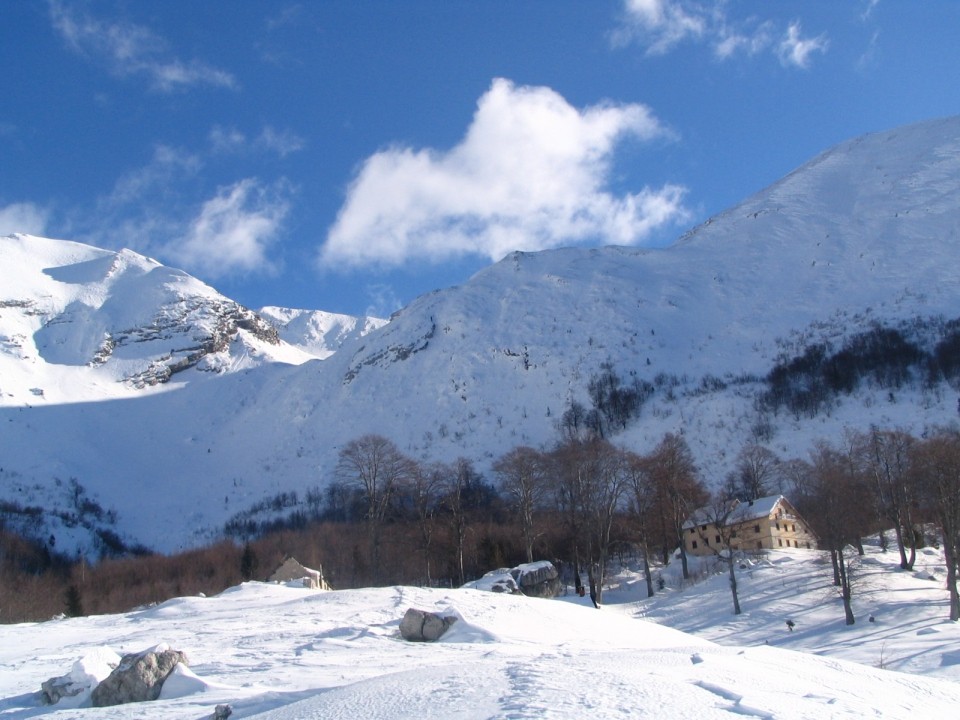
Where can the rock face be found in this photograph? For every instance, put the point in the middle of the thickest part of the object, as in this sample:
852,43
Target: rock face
423,626
139,677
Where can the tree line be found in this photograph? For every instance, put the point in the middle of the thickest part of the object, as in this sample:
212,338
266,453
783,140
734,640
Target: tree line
386,518
584,499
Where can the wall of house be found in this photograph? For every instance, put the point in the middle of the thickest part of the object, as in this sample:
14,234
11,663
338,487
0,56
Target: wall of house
781,530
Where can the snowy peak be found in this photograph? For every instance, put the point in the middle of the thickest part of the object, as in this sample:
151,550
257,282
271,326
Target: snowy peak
78,322
317,332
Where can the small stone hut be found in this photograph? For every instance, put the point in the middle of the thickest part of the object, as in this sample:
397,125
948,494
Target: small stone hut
291,570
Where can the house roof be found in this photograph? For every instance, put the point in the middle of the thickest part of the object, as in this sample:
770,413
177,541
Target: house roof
743,512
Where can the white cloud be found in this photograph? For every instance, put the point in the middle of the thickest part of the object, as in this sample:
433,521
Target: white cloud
23,217
530,174
729,42
233,230
130,49
167,165
868,9
661,25
281,142
383,301
795,50
226,140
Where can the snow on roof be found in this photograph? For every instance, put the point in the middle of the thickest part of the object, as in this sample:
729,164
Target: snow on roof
744,511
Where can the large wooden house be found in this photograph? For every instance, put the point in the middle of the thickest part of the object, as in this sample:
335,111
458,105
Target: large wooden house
768,523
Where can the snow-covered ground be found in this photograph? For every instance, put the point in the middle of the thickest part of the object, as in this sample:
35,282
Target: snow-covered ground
276,651
910,631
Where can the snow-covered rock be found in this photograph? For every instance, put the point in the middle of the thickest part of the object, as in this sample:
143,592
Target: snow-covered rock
138,678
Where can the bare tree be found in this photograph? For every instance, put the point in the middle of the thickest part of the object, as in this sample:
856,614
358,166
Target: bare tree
604,489
886,460
838,497
522,478
588,484
720,516
375,466
679,491
461,495
756,474
936,462
424,485
643,503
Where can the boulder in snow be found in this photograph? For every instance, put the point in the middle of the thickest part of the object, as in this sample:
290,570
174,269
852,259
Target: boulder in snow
423,626
83,676
537,579
498,581
139,677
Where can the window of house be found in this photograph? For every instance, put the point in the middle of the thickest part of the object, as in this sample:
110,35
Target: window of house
756,528
779,542
706,541
794,528
717,538
759,545
733,533
694,545
703,527
778,526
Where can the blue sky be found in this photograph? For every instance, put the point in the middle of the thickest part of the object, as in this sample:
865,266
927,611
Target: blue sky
351,155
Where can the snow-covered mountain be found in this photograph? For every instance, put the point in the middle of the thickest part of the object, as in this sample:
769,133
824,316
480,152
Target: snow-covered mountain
863,236
82,324
318,332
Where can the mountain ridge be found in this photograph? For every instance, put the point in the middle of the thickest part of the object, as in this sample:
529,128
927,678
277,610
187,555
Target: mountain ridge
860,237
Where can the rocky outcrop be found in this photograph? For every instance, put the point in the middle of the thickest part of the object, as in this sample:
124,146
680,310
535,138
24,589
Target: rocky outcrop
423,626
205,327
138,678
538,579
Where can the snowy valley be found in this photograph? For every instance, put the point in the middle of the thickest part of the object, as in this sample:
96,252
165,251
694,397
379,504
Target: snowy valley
172,408
276,651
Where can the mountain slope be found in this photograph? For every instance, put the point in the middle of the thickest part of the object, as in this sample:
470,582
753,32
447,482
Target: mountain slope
864,234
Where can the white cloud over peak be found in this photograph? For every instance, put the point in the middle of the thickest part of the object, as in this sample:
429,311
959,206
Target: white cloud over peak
233,230
129,49
660,25
530,174
795,50
23,217
167,165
